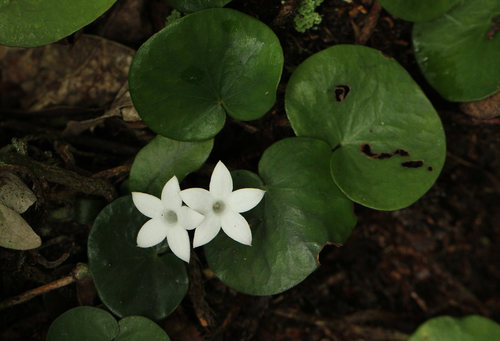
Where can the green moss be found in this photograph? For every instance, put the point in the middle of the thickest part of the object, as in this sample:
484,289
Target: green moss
174,16
306,17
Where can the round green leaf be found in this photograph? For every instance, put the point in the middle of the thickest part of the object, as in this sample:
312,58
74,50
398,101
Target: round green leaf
132,280
446,328
83,324
163,158
417,10
459,52
88,323
388,141
302,210
189,6
29,23
185,78
138,328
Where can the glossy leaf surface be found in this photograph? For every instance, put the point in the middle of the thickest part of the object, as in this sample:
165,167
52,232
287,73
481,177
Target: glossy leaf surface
417,10
301,211
83,323
28,23
447,328
388,141
138,328
186,78
130,280
459,52
88,323
163,158
189,6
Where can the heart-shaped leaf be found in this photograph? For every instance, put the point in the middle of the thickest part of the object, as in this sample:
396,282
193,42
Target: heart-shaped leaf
447,328
190,6
88,323
302,210
388,141
417,10
186,77
29,23
138,328
132,280
459,51
163,158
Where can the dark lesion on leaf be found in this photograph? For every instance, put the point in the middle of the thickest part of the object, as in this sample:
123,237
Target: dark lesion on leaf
430,169
366,149
413,164
341,92
495,26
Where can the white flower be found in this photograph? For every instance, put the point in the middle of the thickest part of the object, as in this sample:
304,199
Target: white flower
169,219
221,207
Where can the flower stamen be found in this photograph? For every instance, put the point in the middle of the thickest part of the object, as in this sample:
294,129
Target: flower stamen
171,217
219,207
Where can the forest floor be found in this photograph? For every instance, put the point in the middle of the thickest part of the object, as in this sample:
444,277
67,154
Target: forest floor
397,270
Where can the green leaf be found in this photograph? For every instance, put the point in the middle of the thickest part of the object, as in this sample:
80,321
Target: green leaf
459,51
189,6
138,328
185,78
446,328
417,10
388,141
88,323
132,280
163,158
29,23
302,210
83,324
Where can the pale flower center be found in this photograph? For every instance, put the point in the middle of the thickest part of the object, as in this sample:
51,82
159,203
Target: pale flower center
170,217
219,207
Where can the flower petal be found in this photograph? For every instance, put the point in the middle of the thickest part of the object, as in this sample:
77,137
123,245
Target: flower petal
151,233
236,227
221,182
170,194
207,230
148,204
178,241
245,199
188,218
198,199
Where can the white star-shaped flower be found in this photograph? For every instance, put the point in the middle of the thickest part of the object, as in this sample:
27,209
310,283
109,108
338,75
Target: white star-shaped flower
169,219
222,207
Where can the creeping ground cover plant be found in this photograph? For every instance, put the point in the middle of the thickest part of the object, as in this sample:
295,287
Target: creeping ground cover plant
361,132
366,133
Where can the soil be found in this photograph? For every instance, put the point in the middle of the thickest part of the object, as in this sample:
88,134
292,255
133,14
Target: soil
397,270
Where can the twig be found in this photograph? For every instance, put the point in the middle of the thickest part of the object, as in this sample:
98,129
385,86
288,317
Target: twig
62,176
79,273
370,24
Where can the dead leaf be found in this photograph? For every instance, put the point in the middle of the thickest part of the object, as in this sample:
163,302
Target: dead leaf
484,109
121,107
90,74
14,193
15,233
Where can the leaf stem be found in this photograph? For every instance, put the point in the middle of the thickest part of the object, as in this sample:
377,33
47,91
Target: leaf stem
79,273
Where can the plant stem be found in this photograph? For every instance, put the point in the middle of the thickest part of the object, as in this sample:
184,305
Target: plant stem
79,273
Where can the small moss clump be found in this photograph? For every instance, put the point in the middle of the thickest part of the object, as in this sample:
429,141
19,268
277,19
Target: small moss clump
306,17
174,16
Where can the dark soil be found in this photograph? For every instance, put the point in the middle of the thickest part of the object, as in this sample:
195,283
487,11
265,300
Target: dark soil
398,269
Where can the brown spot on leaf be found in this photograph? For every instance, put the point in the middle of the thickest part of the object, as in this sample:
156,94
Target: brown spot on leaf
366,149
495,26
413,164
341,92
